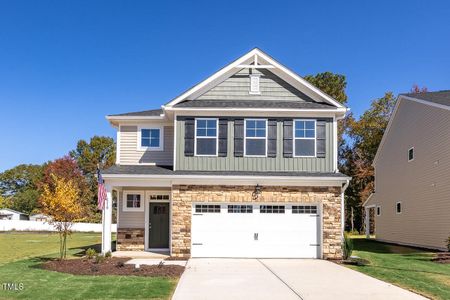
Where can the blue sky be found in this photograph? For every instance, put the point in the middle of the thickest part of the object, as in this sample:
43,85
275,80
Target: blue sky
64,65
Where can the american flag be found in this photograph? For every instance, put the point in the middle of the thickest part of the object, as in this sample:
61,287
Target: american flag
101,191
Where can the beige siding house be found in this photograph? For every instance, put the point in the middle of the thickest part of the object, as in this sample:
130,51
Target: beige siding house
412,173
243,164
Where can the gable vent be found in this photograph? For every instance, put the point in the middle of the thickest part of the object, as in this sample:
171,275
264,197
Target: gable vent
254,85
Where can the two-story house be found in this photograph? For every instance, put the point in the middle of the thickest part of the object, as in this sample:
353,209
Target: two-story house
411,202
243,164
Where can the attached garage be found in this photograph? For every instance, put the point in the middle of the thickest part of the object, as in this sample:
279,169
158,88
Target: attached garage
256,230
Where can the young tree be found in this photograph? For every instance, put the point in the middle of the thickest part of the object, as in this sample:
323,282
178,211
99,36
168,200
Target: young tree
60,200
416,89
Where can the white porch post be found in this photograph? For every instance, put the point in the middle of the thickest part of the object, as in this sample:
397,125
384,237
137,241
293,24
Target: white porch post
106,221
367,219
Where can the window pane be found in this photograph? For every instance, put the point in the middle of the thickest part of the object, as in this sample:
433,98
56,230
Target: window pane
201,132
201,123
145,133
211,124
299,125
206,146
145,142
250,124
299,133
309,133
304,147
261,124
211,132
261,132
133,200
309,124
154,142
255,147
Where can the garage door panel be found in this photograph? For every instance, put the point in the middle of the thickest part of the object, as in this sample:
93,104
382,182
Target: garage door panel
255,234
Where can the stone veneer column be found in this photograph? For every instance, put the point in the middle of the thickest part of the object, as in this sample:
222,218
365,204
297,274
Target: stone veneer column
184,195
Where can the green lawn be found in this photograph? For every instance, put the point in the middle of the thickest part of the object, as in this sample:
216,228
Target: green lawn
406,267
21,254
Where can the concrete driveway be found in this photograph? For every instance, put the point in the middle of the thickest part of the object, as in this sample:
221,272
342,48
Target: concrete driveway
253,279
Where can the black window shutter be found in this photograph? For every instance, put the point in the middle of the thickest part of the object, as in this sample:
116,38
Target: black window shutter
272,138
239,137
287,138
321,138
189,129
223,134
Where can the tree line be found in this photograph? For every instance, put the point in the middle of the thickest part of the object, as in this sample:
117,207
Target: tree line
25,187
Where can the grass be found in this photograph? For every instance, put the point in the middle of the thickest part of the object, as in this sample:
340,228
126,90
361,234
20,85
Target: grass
21,254
407,267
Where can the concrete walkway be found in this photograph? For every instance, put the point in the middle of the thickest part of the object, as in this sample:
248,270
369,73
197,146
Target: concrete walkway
253,279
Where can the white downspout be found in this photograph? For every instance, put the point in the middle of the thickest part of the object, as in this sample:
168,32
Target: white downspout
344,187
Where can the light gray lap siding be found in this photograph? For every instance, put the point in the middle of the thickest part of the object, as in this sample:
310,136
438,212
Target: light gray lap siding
130,154
278,163
238,86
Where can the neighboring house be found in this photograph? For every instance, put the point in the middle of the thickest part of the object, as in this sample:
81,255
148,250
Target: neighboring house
243,164
10,214
40,218
412,172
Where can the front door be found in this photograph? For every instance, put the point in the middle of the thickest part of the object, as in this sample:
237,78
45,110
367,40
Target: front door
158,225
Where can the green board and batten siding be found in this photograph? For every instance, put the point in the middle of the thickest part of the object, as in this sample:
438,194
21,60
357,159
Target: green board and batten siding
231,163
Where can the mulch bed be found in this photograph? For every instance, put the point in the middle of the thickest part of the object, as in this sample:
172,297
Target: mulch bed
442,258
110,266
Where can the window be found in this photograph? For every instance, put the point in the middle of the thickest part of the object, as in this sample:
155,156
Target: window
398,207
304,209
254,84
133,201
159,197
271,209
255,137
411,154
240,209
378,210
150,138
206,137
207,208
305,138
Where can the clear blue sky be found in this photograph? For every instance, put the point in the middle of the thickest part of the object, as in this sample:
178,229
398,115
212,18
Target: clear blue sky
64,65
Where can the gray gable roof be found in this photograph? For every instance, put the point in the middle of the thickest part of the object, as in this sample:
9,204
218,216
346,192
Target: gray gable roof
440,97
159,170
254,104
145,113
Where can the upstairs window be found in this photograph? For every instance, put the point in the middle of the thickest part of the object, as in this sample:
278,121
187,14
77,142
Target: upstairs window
150,138
254,85
255,137
304,138
411,154
206,134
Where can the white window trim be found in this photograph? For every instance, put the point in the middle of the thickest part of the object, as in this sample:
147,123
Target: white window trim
259,85
412,148
161,138
255,138
206,137
376,210
304,138
132,209
401,207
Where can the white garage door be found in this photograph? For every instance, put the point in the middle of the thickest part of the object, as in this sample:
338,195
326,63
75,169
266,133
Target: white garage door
255,230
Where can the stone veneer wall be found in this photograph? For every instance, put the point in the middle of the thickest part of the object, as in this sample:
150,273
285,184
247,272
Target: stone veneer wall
184,195
130,239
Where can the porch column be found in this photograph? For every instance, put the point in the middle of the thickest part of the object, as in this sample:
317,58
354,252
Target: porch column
367,221
106,221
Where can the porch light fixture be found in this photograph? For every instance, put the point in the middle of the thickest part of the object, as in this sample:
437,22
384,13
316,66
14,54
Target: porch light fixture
256,192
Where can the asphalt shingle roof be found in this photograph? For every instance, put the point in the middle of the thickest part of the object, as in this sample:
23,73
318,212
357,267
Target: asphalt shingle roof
254,104
440,97
160,170
145,113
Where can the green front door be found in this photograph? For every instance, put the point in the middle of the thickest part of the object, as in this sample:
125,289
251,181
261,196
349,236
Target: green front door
158,225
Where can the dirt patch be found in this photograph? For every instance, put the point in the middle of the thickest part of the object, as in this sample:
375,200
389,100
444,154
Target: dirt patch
110,266
175,258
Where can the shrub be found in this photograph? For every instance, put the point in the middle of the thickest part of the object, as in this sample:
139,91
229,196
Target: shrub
120,264
347,246
447,241
90,253
108,254
99,258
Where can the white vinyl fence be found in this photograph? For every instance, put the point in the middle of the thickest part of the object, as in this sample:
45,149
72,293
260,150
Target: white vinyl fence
20,225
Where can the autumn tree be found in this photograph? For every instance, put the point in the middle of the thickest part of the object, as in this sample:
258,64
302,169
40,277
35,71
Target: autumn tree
416,89
60,200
